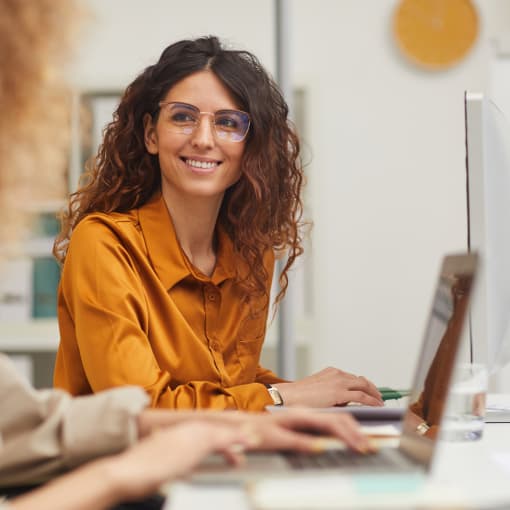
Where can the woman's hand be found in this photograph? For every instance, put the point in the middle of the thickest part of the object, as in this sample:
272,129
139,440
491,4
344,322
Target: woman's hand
294,429
174,451
330,387
305,430
139,471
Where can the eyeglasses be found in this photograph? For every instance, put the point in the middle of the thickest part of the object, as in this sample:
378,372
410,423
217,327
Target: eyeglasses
230,125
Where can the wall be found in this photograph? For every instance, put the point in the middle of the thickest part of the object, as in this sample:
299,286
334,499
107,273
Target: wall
387,179
122,37
386,141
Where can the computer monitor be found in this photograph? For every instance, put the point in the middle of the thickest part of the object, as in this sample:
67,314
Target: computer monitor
488,207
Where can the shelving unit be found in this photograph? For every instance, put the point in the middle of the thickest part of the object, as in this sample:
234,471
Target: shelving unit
32,345
28,323
28,294
36,335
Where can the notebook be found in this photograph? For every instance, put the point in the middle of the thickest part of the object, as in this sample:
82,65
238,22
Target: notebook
426,403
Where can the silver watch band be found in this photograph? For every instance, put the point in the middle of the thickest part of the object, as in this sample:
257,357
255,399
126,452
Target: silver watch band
275,395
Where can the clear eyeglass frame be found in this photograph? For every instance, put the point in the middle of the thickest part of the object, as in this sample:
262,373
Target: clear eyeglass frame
184,118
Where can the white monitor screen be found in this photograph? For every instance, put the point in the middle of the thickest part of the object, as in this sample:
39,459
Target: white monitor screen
488,192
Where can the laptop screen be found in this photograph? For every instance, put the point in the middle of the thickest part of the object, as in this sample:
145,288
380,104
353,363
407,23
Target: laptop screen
437,359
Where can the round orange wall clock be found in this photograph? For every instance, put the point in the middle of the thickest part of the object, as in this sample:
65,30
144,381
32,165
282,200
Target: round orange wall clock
435,34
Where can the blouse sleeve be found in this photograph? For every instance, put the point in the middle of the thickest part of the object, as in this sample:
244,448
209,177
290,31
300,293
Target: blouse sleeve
43,432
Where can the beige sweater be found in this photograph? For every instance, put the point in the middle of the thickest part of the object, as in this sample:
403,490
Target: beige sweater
44,432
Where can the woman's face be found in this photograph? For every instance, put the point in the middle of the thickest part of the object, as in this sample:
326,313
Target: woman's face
196,164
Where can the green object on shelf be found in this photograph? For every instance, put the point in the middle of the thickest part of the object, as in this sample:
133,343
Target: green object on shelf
392,394
46,276
46,225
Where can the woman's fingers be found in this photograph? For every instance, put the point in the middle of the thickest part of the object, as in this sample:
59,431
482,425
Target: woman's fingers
359,382
369,387
349,383
234,454
300,430
361,397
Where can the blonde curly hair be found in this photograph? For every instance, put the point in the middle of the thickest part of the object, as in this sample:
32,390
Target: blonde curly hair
34,120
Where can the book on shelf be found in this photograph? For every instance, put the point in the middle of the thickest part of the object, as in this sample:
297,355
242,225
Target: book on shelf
45,279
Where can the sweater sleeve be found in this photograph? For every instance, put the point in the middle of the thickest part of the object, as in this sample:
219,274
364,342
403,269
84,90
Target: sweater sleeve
44,432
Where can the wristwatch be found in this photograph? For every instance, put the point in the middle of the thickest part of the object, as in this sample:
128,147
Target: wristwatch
422,428
275,395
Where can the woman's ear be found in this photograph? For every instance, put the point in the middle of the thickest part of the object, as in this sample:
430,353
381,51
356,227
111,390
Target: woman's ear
150,136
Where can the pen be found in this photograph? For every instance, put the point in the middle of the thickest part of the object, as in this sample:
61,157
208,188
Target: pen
392,394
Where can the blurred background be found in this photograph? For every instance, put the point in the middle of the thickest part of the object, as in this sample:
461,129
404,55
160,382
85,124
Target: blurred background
383,142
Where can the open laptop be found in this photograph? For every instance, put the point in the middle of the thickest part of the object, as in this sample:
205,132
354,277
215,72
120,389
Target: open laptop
426,403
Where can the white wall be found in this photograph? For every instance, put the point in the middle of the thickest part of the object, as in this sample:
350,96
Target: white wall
122,37
387,180
387,142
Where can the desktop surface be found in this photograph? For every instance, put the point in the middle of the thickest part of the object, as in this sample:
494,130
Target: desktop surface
465,475
497,408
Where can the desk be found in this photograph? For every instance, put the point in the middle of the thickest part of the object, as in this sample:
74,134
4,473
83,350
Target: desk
470,472
474,467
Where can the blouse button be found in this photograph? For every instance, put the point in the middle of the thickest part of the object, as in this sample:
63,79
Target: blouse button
211,297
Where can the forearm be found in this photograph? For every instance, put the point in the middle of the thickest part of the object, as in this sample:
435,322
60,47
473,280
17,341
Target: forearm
92,486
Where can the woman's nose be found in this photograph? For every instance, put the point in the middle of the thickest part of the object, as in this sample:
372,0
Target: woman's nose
203,135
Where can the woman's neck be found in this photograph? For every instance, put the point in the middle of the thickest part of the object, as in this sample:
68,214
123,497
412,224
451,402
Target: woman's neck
195,223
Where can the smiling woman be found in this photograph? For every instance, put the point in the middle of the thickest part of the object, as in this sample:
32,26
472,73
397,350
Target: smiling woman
169,246
43,433
199,152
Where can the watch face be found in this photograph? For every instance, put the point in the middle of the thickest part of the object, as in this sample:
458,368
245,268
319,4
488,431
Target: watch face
435,34
275,395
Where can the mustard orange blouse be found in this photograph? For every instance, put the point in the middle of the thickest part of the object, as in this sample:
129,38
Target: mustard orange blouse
133,310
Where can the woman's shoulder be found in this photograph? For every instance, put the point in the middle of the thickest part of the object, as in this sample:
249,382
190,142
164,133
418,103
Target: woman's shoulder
98,221
107,229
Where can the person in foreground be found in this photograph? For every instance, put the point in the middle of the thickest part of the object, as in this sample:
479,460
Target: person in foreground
44,433
47,432
168,248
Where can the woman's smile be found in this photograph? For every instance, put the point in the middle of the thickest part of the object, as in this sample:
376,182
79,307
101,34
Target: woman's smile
201,165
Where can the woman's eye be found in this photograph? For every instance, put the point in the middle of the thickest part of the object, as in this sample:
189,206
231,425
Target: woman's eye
182,117
227,122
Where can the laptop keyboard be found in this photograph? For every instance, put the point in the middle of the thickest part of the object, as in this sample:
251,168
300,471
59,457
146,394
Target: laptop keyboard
335,459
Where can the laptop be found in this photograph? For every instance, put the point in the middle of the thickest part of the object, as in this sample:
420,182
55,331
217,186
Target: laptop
426,402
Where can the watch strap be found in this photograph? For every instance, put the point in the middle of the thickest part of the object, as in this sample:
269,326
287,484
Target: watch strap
275,394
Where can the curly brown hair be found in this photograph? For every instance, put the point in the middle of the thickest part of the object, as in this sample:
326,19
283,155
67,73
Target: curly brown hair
261,211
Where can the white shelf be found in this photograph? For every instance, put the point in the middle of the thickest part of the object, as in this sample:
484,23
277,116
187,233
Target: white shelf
37,335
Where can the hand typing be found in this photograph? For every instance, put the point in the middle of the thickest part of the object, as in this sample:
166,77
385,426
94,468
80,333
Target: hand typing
330,387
